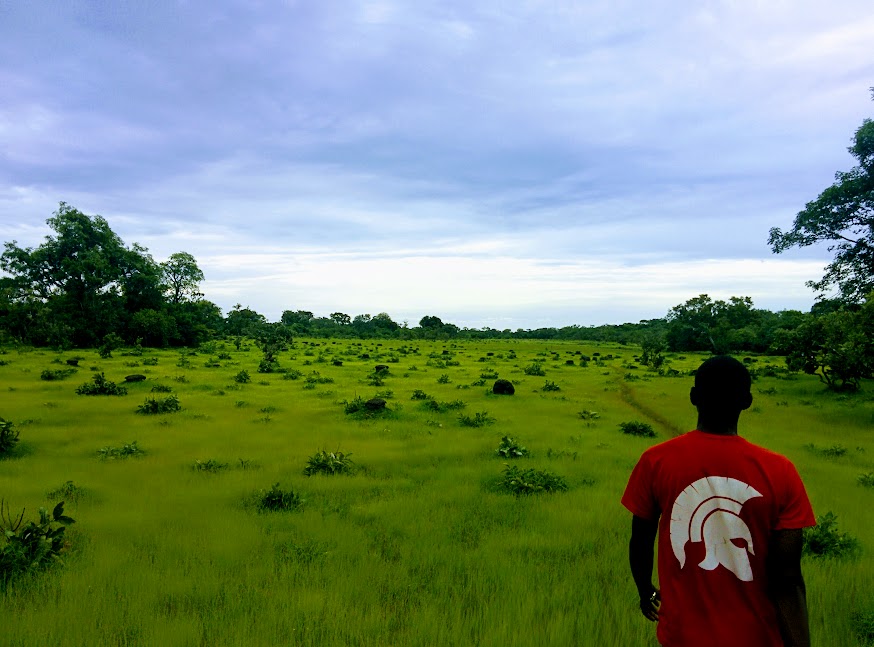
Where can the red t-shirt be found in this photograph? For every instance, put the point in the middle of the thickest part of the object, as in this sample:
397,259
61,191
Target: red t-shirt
719,498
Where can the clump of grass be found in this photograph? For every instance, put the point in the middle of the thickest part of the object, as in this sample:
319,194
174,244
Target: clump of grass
511,448
488,375
100,386
825,540
832,451
162,388
550,386
637,428
863,625
530,481
292,374
443,407
324,462
125,451
211,465
479,419
32,546
8,436
585,414
444,379
153,406
317,378
242,377
69,491
419,394
866,479
50,375
278,500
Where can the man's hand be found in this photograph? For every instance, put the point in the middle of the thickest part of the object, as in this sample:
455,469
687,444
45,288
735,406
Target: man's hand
650,605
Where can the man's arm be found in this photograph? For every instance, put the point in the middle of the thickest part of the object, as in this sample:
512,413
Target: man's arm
786,587
640,557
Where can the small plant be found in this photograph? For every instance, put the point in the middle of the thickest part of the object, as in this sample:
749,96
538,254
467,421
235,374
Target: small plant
151,406
150,361
69,491
833,451
419,394
585,414
863,625
8,436
535,369
100,386
316,378
162,388
443,379
825,540
530,481
242,377
211,465
292,374
323,462
125,451
637,428
479,419
550,386
33,546
489,375
58,374
510,448
277,500
866,479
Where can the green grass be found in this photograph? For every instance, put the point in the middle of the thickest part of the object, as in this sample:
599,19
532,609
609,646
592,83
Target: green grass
416,546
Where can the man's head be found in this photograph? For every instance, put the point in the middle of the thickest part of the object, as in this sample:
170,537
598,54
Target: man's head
722,387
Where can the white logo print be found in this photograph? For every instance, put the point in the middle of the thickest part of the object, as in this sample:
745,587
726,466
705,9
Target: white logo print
707,510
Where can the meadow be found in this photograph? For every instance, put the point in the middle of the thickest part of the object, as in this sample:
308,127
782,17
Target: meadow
418,545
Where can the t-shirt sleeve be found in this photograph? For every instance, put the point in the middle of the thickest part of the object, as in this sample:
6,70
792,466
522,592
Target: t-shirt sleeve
639,497
795,509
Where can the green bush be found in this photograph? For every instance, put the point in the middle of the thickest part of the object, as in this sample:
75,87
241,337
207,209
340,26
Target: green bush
863,625
33,546
125,451
276,500
419,394
489,375
637,428
510,448
8,436
57,374
535,369
323,462
150,361
825,540
530,481
832,451
211,465
443,379
101,386
69,491
479,419
162,388
242,377
151,406
585,414
550,386
443,407
292,374
866,479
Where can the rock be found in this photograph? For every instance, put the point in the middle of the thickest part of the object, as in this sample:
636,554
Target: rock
134,378
375,404
503,387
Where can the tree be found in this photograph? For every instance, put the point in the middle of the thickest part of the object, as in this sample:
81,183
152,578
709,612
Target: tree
843,216
83,279
181,277
244,321
341,318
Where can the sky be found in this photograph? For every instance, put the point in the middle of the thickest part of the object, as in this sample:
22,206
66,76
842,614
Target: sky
503,164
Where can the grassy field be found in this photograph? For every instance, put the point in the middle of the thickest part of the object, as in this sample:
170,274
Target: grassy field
419,546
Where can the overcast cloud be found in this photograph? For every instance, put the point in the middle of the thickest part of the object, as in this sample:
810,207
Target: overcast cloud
505,164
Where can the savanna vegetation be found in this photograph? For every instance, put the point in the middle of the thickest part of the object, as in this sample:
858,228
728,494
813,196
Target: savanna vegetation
269,511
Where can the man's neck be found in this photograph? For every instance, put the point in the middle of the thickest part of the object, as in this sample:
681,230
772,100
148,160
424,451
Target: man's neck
717,426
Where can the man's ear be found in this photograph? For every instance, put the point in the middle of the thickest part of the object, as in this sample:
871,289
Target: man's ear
693,396
746,401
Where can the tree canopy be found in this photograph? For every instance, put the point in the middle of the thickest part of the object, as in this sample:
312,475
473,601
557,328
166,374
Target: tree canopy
843,216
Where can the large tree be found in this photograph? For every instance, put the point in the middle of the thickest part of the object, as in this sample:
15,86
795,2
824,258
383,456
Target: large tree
82,280
842,216
181,277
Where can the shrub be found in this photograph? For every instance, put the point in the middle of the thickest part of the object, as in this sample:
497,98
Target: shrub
8,436
551,386
125,451
57,374
479,419
585,414
150,361
32,547
833,451
162,388
323,462
535,369
443,407
489,375
292,374
316,378
825,540
510,448
443,379
170,404
276,500
419,394
530,481
242,377
866,479
69,491
637,428
101,386
211,465
863,625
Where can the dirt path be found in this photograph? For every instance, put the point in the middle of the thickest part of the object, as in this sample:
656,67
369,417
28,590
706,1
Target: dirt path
628,396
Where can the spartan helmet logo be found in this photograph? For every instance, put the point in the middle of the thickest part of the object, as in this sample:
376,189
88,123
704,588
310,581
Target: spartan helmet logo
707,510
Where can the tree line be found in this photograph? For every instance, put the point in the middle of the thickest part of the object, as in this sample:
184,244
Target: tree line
83,287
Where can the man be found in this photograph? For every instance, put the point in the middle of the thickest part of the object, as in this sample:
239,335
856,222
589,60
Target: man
729,516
